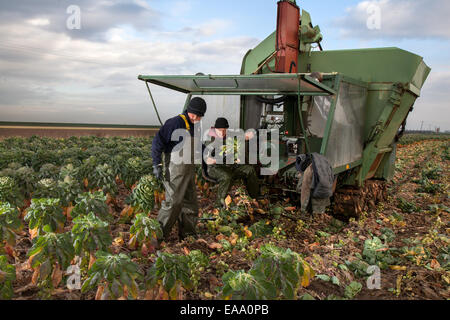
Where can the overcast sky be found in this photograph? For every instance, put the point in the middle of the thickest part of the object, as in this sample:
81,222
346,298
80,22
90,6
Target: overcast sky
51,73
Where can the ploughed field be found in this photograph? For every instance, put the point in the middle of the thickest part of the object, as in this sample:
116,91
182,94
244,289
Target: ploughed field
67,130
80,212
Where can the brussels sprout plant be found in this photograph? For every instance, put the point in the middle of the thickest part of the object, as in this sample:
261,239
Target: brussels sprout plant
7,277
50,254
45,212
10,223
114,276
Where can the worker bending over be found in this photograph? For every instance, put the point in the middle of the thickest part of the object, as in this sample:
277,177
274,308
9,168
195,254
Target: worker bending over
224,173
181,197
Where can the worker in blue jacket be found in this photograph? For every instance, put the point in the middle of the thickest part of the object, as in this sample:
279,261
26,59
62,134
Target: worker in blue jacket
181,196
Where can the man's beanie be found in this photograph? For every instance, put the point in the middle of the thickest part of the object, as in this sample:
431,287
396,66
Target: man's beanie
197,106
221,123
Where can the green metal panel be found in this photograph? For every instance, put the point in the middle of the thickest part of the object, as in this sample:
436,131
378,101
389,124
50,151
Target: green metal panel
261,84
390,121
186,102
247,93
291,115
370,65
308,33
258,55
347,167
378,95
386,169
396,120
315,143
355,82
421,75
302,125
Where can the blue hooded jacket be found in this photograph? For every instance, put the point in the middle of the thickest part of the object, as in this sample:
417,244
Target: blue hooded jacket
163,139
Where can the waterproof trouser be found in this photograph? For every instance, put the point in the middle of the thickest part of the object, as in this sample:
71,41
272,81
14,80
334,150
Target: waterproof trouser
181,199
227,174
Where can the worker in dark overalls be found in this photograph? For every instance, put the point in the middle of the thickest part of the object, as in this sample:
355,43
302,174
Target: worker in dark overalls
226,174
179,181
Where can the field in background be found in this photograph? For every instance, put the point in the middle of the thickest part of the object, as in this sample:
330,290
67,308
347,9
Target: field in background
67,130
411,137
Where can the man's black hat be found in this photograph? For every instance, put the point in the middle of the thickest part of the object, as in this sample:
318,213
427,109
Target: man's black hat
197,106
221,123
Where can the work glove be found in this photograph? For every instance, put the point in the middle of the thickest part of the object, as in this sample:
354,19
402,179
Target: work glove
157,172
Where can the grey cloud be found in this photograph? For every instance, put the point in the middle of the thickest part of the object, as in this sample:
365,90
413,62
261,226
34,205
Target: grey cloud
12,93
47,76
55,88
400,19
97,17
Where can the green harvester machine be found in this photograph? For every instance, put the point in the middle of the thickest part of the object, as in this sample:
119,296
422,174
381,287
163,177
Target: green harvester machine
348,105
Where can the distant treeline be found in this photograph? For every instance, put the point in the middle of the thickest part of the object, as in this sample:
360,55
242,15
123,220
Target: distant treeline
75,125
426,132
416,136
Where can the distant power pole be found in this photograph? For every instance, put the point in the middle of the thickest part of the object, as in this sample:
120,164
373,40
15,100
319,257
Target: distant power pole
421,127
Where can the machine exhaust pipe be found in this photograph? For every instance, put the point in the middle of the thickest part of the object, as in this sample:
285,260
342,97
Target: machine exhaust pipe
288,42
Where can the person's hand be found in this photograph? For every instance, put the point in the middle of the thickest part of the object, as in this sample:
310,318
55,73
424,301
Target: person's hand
211,161
249,135
157,171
